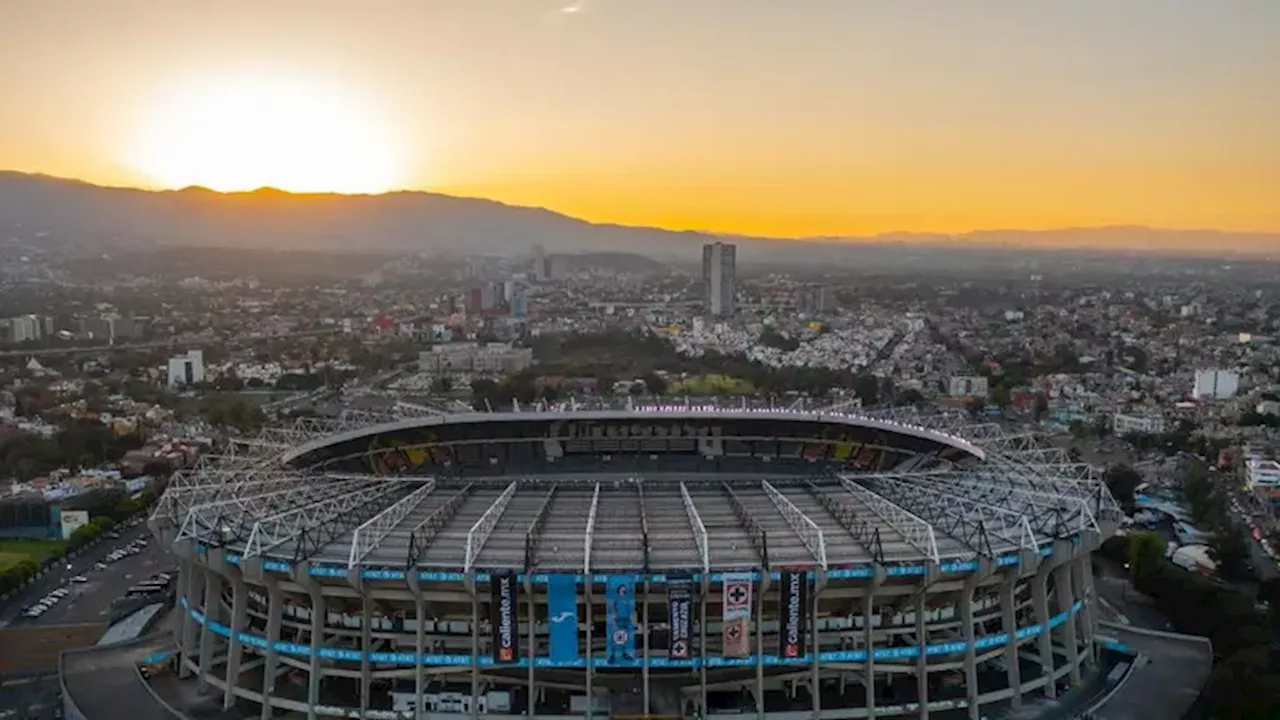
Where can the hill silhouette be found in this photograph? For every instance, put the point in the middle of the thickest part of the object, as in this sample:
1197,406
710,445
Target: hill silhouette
418,222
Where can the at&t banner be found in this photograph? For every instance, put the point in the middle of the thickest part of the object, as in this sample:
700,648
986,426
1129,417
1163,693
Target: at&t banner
562,612
792,598
680,614
736,637
620,611
506,634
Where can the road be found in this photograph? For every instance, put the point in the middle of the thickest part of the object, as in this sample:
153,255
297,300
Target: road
90,601
156,344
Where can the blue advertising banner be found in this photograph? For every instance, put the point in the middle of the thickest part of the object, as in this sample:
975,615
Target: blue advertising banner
562,615
620,611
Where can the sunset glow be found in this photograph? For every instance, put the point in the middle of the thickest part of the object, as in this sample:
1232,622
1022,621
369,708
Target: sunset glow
832,118
247,133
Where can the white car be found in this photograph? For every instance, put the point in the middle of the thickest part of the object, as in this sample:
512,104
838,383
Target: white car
79,579
61,592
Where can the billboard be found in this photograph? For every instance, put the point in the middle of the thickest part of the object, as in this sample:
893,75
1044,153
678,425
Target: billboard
506,634
736,639
620,612
680,617
562,615
72,520
792,594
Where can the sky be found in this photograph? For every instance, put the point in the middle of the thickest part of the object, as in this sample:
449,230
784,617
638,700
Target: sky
765,117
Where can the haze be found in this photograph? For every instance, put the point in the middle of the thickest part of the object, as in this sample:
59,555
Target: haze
823,117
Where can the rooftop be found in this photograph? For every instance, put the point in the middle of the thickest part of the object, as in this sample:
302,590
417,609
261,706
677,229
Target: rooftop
1013,495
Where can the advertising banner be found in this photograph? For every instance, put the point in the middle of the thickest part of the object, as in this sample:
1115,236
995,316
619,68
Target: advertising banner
562,614
73,520
736,637
506,633
620,612
680,614
792,596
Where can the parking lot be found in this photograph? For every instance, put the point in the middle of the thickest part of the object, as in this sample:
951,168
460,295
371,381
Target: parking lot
89,599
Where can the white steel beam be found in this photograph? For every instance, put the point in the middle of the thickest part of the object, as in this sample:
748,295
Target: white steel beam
369,535
917,532
803,526
478,535
591,529
699,530
938,502
272,531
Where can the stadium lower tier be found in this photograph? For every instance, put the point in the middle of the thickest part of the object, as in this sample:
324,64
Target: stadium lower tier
790,643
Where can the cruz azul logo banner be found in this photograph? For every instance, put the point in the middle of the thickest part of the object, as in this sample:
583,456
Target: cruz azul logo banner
737,615
792,599
562,611
620,612
506,636
680,612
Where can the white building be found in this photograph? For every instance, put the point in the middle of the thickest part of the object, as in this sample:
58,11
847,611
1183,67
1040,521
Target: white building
493,358
1216,384
1263,474
186,370
720,273
968,386
1123,424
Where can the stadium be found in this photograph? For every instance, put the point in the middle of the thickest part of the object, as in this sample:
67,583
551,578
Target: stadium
637,560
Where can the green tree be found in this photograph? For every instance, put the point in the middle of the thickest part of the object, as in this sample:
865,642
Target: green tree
1146,555
1123,481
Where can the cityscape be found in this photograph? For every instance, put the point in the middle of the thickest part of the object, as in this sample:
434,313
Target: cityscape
640,360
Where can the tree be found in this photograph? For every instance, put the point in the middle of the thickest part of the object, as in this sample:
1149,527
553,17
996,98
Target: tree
1146,555
654,383
1123,481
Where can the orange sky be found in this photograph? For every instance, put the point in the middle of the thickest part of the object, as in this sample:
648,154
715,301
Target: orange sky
827,117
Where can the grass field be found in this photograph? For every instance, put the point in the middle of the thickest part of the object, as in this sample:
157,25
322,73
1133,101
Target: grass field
14,551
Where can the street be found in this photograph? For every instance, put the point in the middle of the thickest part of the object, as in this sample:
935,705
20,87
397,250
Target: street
89,601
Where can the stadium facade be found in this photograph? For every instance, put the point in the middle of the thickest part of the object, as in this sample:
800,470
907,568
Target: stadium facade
660,560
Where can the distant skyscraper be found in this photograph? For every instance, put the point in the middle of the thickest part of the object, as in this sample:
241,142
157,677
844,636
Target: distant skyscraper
719,273
541,268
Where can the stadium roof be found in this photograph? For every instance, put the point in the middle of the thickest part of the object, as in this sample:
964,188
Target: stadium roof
1016,496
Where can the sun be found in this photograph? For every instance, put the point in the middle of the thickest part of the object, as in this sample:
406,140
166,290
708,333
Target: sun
261,131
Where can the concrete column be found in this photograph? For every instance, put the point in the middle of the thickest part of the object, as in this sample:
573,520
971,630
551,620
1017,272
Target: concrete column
759,622
815,667
212,604
644,652
419,649
1084,622
1040,604
239,599
475,646
366,644
1065,598
922,660
275,609
591,672
532,642
319,619
702,646
1009,626
970,653
193,594
868,640
419,639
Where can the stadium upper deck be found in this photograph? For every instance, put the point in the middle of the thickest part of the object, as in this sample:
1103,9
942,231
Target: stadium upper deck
659,488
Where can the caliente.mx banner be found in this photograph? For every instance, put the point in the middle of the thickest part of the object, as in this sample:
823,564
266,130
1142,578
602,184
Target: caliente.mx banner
792,594
506,633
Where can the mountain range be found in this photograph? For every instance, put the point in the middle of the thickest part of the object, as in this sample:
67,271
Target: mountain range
425,222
